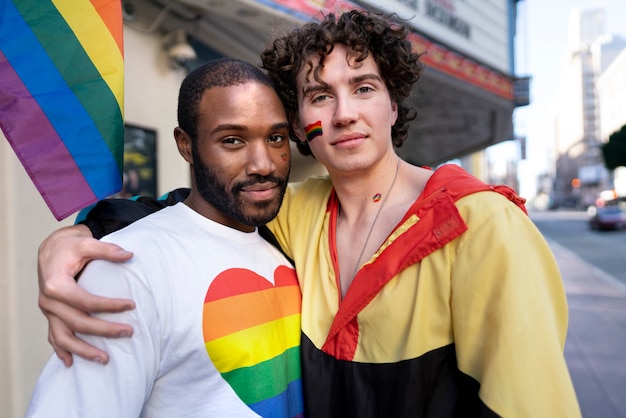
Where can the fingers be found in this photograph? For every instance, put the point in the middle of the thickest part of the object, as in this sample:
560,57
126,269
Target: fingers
92,303
65,252
62,256
64,319
53,294
91,249
65,304
65,343
65,356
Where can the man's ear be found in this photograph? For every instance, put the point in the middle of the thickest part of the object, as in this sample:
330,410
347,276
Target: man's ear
183,142
295,126
394,109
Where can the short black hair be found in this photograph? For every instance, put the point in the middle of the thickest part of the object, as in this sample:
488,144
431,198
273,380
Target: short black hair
222,72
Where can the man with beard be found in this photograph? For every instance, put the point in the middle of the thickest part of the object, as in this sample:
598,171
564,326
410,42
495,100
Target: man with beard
217,318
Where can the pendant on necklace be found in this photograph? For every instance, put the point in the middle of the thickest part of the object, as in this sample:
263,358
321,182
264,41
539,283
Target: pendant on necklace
376,197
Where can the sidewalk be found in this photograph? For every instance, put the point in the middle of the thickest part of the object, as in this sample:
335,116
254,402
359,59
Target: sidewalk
595,350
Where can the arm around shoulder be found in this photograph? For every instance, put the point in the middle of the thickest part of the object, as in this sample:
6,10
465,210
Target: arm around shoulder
117,389
62,256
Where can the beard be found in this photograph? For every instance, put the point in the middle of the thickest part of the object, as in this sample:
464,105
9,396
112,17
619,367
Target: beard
230,202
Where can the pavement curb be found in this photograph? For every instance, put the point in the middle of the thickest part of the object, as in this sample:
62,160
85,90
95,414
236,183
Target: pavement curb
596,337
562,253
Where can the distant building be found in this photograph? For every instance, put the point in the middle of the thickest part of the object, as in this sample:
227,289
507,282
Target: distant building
611,89
578,116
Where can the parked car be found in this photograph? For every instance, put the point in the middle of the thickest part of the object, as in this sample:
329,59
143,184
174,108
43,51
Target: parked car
605,218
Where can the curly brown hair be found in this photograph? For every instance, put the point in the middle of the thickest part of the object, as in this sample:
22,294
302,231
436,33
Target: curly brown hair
366,33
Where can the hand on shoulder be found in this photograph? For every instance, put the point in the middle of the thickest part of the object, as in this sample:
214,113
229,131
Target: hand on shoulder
61,258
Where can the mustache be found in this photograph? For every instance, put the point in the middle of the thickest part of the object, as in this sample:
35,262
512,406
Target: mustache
258,179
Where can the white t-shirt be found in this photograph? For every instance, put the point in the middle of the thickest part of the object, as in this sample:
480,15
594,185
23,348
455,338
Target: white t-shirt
216,328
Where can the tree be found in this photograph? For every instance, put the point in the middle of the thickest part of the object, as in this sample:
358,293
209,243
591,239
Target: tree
614,151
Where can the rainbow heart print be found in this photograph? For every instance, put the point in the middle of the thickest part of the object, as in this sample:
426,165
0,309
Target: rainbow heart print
251,330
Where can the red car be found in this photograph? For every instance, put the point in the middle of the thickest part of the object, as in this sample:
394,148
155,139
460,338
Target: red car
604,218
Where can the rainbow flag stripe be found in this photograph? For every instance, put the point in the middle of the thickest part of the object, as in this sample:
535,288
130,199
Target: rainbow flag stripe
313,130
61,96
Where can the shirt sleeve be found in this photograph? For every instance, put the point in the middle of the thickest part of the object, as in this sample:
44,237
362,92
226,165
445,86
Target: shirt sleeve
110,215
119,388
510,316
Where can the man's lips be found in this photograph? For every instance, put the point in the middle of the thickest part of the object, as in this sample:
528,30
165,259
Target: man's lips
260,191
257,187
347,138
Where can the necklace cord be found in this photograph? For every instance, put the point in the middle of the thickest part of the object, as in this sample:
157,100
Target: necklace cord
369,233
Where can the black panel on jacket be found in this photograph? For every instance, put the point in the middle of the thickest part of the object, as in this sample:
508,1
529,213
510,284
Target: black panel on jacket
428,386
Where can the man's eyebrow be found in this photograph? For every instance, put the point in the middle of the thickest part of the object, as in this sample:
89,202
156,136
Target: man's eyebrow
228,127
354,80
313,88
235,127
364,77
280,125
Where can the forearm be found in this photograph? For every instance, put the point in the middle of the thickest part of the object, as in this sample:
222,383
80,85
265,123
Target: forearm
64,254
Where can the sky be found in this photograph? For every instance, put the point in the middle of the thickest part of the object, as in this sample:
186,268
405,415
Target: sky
541,45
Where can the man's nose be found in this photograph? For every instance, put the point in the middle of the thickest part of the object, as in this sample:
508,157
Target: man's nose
345,111
260,159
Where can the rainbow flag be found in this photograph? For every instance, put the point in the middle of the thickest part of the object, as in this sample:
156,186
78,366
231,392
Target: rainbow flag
61,96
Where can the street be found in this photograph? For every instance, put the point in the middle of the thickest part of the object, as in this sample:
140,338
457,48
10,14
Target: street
592,265
605,250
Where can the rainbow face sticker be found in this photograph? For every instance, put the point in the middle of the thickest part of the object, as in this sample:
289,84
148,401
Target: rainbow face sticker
313,130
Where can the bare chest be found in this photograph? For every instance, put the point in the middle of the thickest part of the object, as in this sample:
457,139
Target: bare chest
357,243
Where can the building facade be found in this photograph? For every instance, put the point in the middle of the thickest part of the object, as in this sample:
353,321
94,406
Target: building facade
611,87
580,122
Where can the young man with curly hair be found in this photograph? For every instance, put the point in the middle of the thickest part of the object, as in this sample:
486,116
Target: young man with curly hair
425,293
